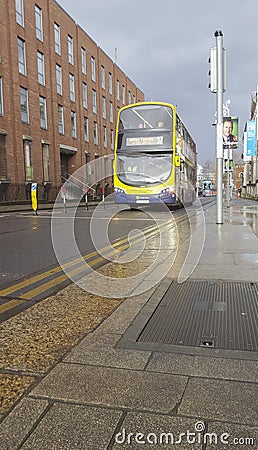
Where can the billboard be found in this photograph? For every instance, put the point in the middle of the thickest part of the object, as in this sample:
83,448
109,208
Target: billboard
250,139
230,132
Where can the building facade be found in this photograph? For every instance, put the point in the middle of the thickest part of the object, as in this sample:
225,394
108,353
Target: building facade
250,158
59,97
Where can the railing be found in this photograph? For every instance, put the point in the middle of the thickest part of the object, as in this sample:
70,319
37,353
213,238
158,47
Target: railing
21,193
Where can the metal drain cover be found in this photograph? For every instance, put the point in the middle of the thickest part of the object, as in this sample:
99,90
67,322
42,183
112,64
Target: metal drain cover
222,315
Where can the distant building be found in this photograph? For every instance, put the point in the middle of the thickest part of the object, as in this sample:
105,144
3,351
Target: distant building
59,97
239,175
250,178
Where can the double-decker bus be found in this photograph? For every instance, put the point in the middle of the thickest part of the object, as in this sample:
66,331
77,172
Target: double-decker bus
155,156
207,187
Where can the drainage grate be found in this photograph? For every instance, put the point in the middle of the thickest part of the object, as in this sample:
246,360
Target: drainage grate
222,315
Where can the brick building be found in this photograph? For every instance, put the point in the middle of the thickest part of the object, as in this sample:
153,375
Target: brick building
59,97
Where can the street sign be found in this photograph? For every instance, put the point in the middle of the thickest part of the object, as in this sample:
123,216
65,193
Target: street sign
34,199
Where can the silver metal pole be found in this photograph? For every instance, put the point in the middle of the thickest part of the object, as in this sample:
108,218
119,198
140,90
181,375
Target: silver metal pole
219,127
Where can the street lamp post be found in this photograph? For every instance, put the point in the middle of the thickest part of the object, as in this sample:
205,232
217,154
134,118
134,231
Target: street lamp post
219,126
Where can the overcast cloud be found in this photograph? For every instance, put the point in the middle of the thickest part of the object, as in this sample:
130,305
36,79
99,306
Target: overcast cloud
164,45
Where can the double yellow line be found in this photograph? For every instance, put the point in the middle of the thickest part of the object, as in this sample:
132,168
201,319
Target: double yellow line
117,246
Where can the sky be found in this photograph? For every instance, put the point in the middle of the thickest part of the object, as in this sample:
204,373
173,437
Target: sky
163,46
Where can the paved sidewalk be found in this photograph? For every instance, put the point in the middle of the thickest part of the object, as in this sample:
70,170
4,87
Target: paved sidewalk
104,395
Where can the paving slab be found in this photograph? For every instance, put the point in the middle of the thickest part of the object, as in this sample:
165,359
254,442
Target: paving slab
228,401
20,421
98,349
201,366
118,388
70,427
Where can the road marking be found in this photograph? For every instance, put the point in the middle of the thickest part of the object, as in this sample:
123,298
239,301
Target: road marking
9,305
118,245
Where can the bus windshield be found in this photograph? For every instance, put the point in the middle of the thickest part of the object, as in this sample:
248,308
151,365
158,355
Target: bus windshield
146,116
143,169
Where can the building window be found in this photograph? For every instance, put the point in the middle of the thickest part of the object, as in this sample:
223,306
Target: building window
3,168
112,139
27,160
43,112
70,49
93,69
105,136
57,38
104,109
19,12
24,105
60,119
46,162
41,68
133,98
21,56
94,101
88,168
95,133
110,83
59,79
123,94
129,97
117,90
86,129
111,112
103,77
73,124
39,23
72,89
84,95
84,66
1,98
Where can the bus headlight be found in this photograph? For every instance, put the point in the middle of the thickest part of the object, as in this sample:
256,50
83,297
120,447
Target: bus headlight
169,190
119,190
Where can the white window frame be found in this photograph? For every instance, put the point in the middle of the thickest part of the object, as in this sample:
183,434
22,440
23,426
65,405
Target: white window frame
112,139
105,136
39,23
84,95
19,9
94,101
70,49
41,68
24,105
95,133
86,129
134,99
72,87
103,84
59,82
46,162
73,124
111,114
123,94
22,56
117,90
57,38
43,112
104,107
84,60
93,68
60,112
129,97
110,83
27,160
